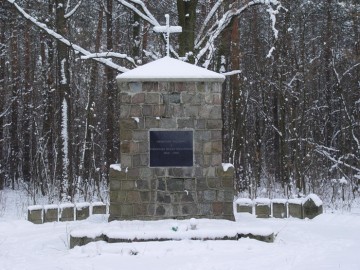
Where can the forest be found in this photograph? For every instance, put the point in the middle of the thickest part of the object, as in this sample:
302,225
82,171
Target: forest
291,99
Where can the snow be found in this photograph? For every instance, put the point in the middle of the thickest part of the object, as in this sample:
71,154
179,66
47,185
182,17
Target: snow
343,181
136,119
100,203
116,167
322,243
50,206
315,198
328,242
35,207
269,55
282,201
295,201
65,141
262,201
60,38
226,166
66,205
167,29
63,75
82,205
170,69
169,229
244,201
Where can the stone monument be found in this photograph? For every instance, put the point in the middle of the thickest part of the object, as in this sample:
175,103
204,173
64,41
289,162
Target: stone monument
170,145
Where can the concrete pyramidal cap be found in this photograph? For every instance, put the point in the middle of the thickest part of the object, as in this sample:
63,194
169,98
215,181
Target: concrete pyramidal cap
170,69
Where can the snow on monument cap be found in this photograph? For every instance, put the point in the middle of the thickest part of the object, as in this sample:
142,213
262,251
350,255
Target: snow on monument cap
170,69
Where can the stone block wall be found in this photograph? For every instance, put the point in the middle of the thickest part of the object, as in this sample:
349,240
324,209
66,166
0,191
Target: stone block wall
39,214
139,191
308,207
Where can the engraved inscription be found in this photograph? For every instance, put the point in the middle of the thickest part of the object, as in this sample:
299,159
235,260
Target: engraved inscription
171,148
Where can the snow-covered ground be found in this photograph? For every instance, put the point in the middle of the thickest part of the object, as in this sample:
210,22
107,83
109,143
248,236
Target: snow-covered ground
330,241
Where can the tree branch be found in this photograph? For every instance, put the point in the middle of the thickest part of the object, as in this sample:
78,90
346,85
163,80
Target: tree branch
69,14
216,29
60,38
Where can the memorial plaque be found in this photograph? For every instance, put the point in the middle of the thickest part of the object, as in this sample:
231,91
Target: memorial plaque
171,148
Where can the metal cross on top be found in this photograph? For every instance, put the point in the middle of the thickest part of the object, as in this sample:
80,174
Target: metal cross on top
167,29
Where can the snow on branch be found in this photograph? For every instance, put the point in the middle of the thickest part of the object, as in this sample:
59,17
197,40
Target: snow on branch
208,17
106,62
109,54
207,41
272,13
348,71
146,15
230,73
269,55
330,153
67,15
338,161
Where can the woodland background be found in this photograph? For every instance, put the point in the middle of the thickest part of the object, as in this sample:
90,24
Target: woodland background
291,98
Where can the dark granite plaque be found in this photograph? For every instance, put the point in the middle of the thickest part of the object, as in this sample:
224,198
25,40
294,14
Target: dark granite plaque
171,148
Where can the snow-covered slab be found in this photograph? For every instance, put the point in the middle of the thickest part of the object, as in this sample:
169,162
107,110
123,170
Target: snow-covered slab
280,201
50,206
35,207
263,201
66,205
295,201
165,230
98,208
315,198
82,205
169,69
244,201
98,204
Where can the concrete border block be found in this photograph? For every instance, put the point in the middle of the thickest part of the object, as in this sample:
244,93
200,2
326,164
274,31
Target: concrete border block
244,205
82,211
66,212
279,208
51,213
262,207
98,208
295,208
36,214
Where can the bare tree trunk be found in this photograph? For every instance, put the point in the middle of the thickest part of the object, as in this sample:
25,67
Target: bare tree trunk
48,130
2,93
88,164
65,146
187,20
110,152
239,112
328,71
259,123
27,112
15,78
136,44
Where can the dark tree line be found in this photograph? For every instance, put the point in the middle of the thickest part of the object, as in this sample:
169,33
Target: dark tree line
291,98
